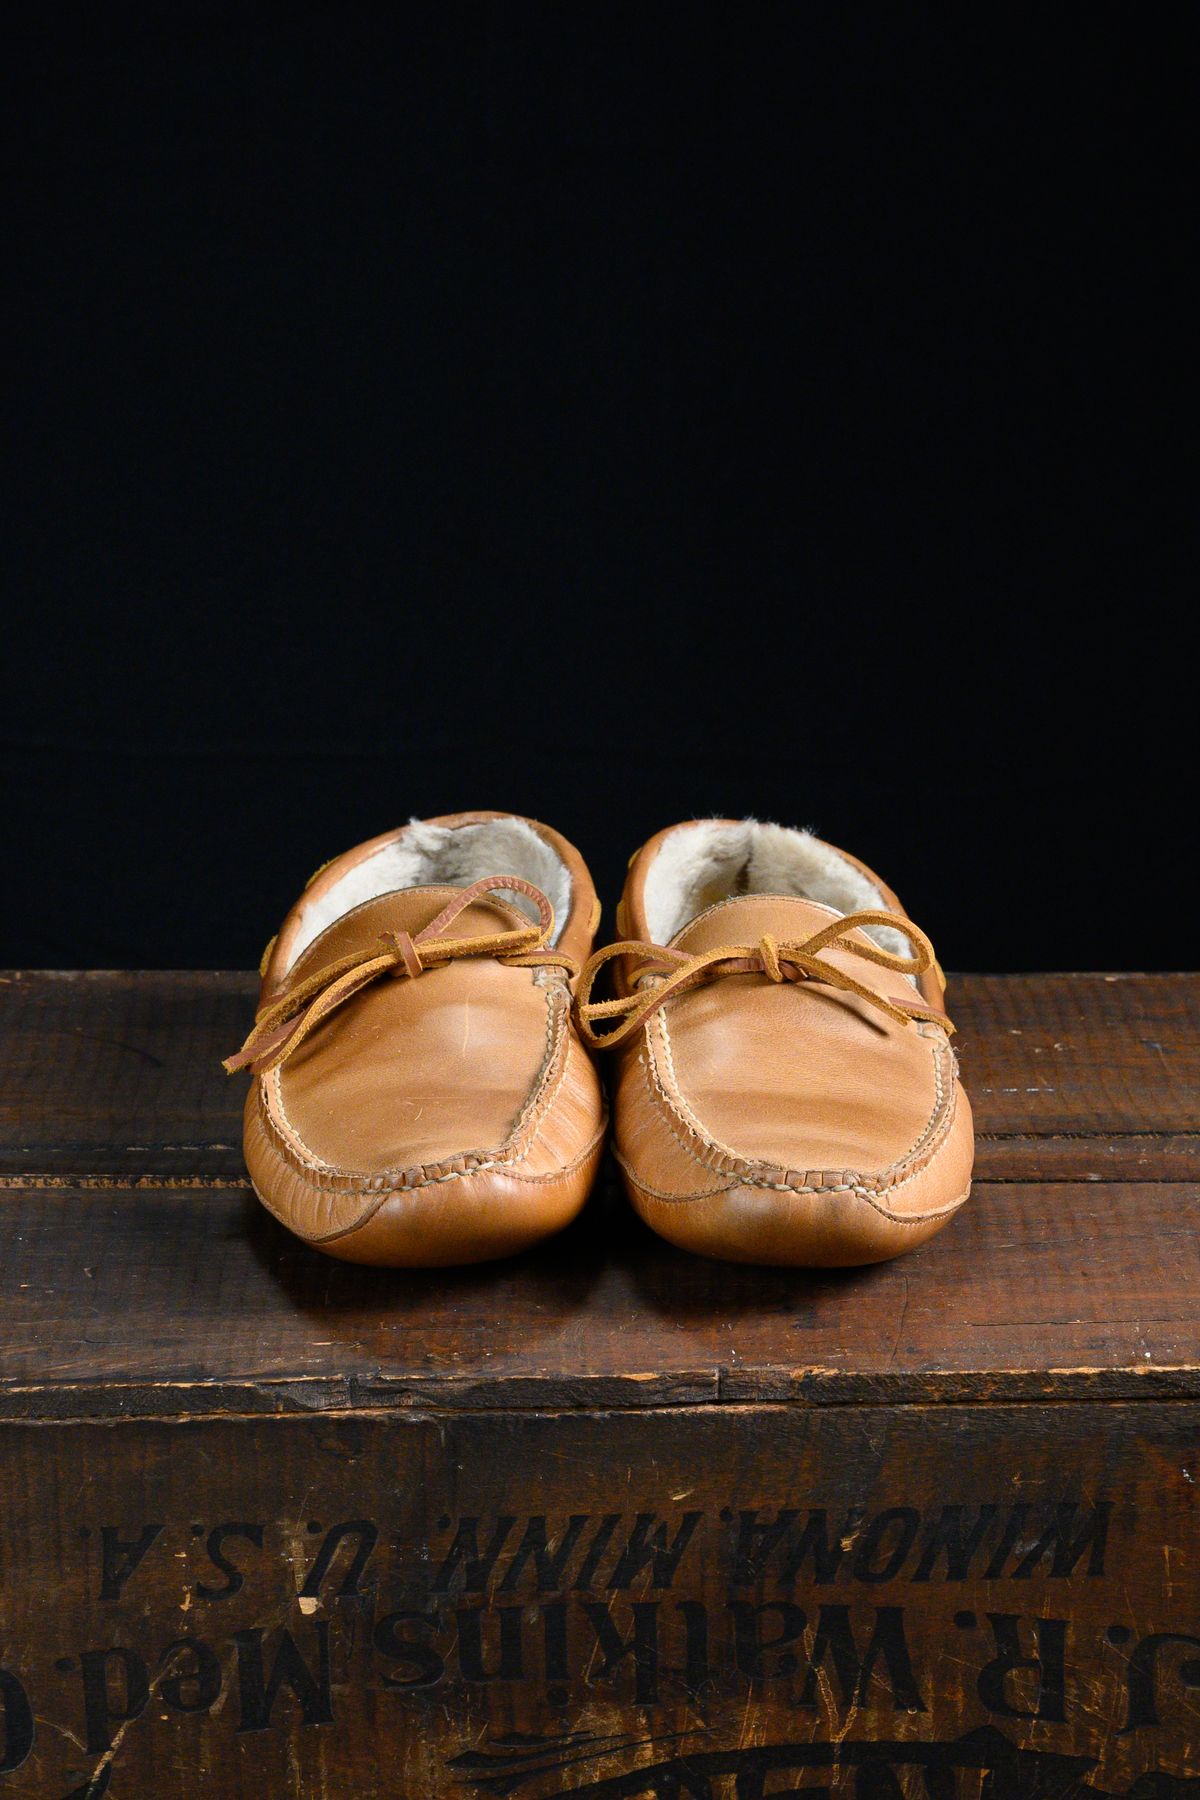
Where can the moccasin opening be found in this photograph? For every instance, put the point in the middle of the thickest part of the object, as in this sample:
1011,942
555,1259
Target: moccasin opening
712,860
424,855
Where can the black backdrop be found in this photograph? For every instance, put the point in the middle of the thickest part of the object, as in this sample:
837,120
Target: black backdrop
611,414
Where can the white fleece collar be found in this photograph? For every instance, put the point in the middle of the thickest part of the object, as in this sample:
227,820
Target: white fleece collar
698,865
444,856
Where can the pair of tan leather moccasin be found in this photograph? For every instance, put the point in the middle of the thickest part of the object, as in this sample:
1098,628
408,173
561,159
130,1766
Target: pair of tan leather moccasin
423,1090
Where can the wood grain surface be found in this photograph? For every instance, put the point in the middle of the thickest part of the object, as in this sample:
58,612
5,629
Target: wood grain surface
709,1603
138,1273
1072,1077
175,1300
604,1520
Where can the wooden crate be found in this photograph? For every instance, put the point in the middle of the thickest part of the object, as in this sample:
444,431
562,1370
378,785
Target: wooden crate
604,1520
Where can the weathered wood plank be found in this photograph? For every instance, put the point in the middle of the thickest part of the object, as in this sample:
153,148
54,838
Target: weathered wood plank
184,1301
708,1604
1089,1156
1058,1055
119,1074
927,1544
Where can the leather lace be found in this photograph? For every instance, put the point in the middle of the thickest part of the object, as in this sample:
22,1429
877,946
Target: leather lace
675,971
282,1027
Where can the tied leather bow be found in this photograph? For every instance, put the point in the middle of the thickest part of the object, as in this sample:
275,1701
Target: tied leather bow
281,1028
799,962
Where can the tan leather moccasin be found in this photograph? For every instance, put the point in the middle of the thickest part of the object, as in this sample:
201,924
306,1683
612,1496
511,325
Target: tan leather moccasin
786,1091
420,1096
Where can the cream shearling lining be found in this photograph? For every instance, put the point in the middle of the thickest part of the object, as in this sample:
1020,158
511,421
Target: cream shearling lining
445,856
698,865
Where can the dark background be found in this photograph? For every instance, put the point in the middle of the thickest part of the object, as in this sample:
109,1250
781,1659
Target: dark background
611,414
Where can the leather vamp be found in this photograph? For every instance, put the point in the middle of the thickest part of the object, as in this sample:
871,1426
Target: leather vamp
416,1071
797,1075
